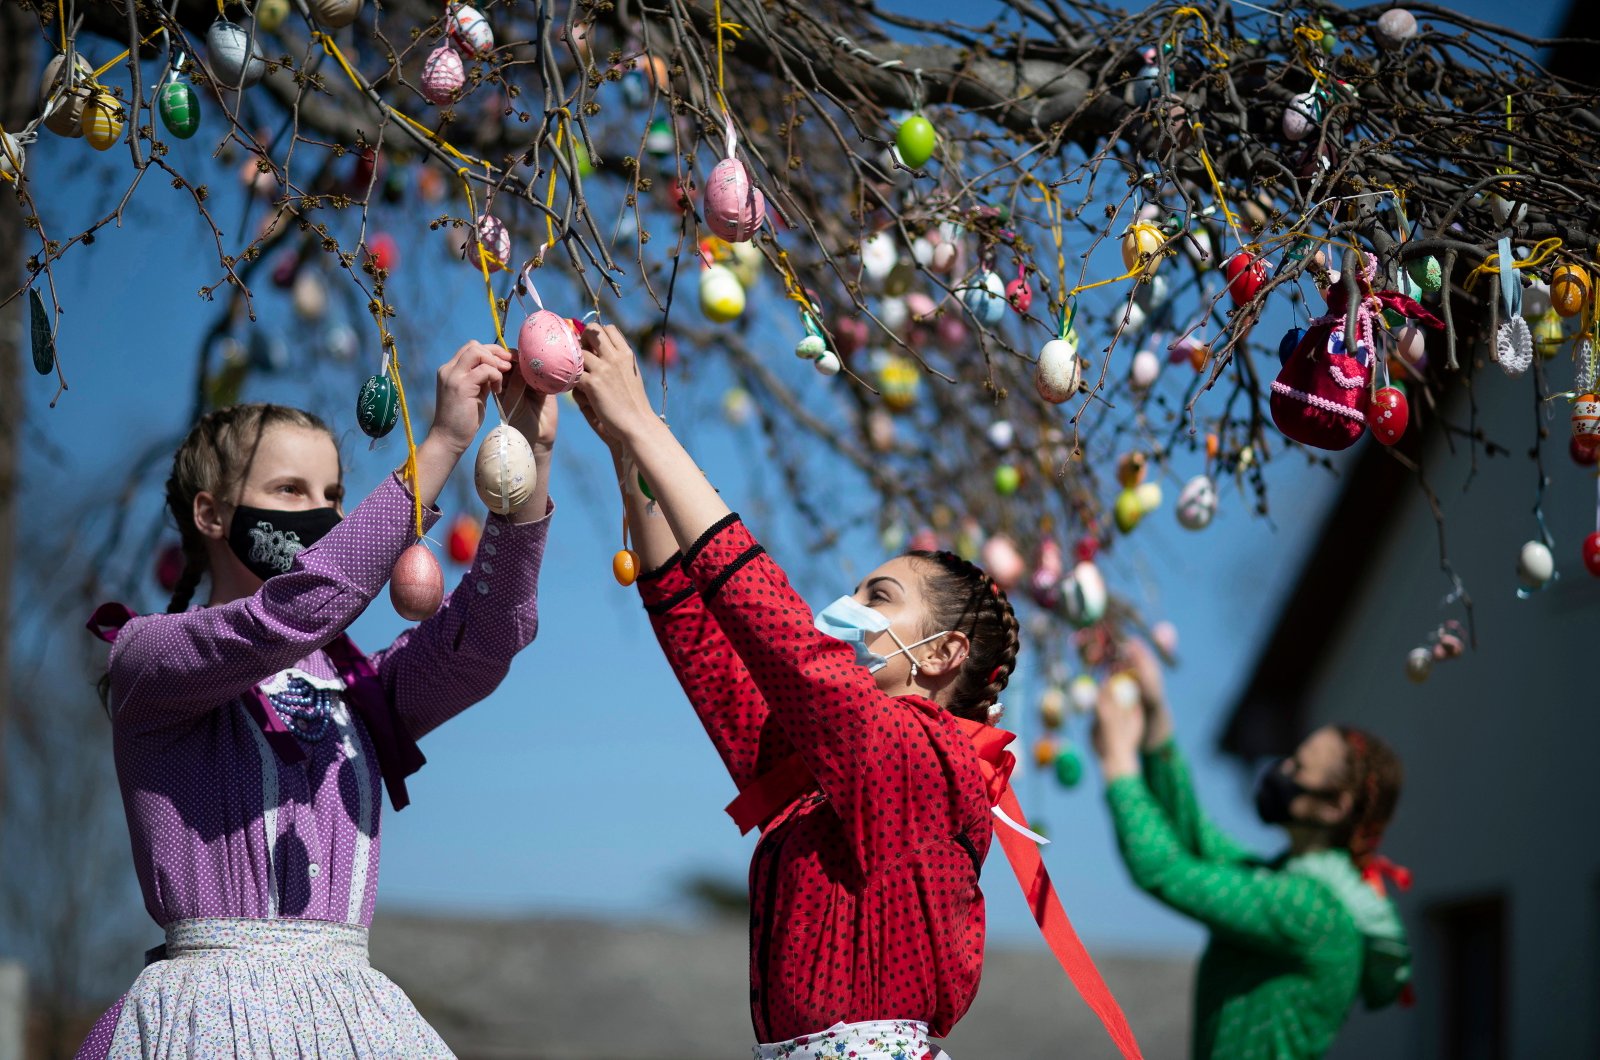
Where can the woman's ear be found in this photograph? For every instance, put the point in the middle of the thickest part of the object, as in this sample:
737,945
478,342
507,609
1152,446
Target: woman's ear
208,516
1334,812
946,654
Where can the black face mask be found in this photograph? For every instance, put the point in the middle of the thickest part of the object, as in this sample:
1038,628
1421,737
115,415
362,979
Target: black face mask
1274,792
267,541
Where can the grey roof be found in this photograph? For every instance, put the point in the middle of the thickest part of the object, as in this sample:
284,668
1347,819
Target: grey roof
546,989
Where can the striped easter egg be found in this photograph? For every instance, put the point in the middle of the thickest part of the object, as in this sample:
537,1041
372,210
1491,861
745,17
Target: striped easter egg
1586,421
102,120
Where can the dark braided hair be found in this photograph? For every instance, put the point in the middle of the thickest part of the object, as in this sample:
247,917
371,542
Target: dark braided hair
1373,776
214,458
962,597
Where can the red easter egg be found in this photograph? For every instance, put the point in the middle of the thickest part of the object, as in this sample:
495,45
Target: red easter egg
384,251
416,586
169,567
1591,553
1388,415
1246,274
1019,294
548,353
1085,550
1583,455
462,541
663,349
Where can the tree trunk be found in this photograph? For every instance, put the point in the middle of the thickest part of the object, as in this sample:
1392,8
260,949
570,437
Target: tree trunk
18,63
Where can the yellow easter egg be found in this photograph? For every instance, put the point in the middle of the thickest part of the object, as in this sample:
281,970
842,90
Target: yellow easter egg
102,120
1569,290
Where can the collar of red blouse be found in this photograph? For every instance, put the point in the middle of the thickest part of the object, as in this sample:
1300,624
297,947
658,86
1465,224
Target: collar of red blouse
760,801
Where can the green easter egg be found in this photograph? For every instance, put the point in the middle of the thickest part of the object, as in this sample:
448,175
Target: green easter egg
1426,273
1128,510
377,406
180,109
1007,479
1069,768
916,141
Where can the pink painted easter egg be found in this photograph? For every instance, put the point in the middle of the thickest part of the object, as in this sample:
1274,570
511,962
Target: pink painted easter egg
443,75
494,239
734,206
548,353
1003,562
416,586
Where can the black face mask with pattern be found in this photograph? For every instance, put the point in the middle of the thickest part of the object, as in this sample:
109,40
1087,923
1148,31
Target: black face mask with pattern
267,540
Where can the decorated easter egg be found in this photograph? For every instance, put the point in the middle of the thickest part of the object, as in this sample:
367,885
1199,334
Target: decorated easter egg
1019,295
1246,274
270,14
377,406
1149,496
1197,503
1007,479
900,382
1394,27
879,257
1303,114
1053,707
443,75
1083,693
1586,421
734,206
828,364
416,585
461,544
12,156
1388,415
492,247
505,473
811,347
658,138
1002,561
1144,370
66,116
1535,565
1127,511
1084,595
180,109
1426,274
1548,334
625,567
1001,434
1569,290
1535,299
548,353
234,60
1410,346
1419,664
470,30
1058,374
309,295
1131,469
1140,243
1583,455
915,139
1287,344
335,14
1591,553
987,299
1069,767
721,294
102,119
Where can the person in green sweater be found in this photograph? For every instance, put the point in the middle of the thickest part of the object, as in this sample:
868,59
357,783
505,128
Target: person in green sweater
1295,940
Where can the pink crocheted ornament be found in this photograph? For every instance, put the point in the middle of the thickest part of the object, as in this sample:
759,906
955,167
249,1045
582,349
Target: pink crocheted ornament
443,75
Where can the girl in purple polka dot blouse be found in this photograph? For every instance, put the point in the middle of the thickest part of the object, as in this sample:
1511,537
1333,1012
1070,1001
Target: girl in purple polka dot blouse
251,737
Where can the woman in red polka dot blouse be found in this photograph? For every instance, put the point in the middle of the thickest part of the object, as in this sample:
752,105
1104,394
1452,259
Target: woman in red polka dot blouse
251,737
858,740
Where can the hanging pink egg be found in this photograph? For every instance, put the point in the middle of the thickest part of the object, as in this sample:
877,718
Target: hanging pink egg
924,540
921,306
1388,415
1410,346
443,75
1246,273
663,349
849,335
734,205
1003,562
1019,294
416,586
384,251
494,239
548,353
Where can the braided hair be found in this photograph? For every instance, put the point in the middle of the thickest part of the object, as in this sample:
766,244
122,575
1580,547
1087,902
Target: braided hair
962,597
1373,776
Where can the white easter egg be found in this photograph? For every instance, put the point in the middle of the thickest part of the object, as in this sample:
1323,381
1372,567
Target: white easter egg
1303,114
505,473
1149,495
1084,595
1535,565
894,313
470,30
233,59
1394,27
1145,369
828,363
878,256
1197,503
1058,373
65,119
1001,434
1506,211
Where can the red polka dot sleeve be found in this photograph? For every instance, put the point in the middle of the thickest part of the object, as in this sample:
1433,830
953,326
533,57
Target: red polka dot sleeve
894,777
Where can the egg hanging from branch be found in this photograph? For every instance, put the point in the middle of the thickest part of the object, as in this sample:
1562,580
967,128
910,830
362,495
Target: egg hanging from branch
1197,503
879,257
377,406
234,58
1246,275
1569,290
1303,114
470,31
416,585
1084,595
721,294
734,206
916,140
548,354
505,473
270,14
180,109
1394,27
1586,421
986,300
443,75
1535,565
492,247
1388,415
1059,374
66,96
102,119
335,14
1140,244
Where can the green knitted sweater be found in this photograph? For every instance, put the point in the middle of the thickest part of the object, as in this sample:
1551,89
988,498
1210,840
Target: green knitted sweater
1293,942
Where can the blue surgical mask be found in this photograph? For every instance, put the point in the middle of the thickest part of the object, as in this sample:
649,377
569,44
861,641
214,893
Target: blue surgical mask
849,620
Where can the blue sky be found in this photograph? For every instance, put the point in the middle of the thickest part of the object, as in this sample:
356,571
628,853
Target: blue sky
585,785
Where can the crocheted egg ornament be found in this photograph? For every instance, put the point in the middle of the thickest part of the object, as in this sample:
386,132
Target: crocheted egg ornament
1058,374
987,299
1388,415
233,60
1197,503
335,14
492,248
504,472
443,75
469,30
1246,274
180,109
102,119
67,117
1591,553
1535,565
915,140
1586,421
548,353
377,406
416,585
734,206
1569,290
721,294
461,544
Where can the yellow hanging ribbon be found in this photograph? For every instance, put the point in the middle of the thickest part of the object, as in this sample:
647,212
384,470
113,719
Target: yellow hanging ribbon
550,191
483,256
792,287
1053,211
1491,265
1306,40
412,476
1205,32
1507,169
1216,186
737,30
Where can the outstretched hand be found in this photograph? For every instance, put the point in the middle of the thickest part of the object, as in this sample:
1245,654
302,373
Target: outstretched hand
530,412
611,391
1118,727
465,382
1146,669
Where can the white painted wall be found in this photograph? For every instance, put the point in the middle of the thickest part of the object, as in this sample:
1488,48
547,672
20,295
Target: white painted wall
1500,746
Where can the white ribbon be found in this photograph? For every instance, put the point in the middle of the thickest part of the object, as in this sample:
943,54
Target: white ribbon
1021,830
